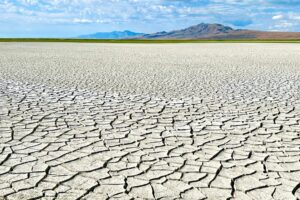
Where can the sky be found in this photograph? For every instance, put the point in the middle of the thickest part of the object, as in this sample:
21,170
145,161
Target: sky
71,18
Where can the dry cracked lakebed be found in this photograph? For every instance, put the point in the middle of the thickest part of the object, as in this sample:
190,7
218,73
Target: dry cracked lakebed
155,121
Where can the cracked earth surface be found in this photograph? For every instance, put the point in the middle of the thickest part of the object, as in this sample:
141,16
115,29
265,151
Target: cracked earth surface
88,121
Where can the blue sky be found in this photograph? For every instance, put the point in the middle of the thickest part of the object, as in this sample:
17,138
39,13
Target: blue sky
70,18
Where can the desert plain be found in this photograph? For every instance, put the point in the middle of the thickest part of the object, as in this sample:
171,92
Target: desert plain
149,121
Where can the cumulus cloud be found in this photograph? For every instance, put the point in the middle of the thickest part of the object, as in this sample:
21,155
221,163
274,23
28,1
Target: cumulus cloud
283,25
158,13
275,17
294,16
284,2
82,21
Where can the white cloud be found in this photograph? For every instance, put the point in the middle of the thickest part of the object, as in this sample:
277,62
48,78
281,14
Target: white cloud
84,21
149,14
276,17
284,25
294,16
89,21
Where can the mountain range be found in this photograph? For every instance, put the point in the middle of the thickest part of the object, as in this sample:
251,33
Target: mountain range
112,35
200,31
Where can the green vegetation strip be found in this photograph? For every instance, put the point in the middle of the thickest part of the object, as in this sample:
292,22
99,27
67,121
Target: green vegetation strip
145,41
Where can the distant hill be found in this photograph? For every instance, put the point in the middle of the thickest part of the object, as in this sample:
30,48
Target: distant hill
112,35
219,31
200,31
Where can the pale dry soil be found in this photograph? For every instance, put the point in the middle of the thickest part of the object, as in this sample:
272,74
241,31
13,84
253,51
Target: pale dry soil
149,121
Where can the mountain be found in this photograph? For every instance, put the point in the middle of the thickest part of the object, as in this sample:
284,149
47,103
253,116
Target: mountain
219,31
200,31
112,35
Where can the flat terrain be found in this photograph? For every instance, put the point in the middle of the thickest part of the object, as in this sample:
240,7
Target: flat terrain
277,39
149,121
